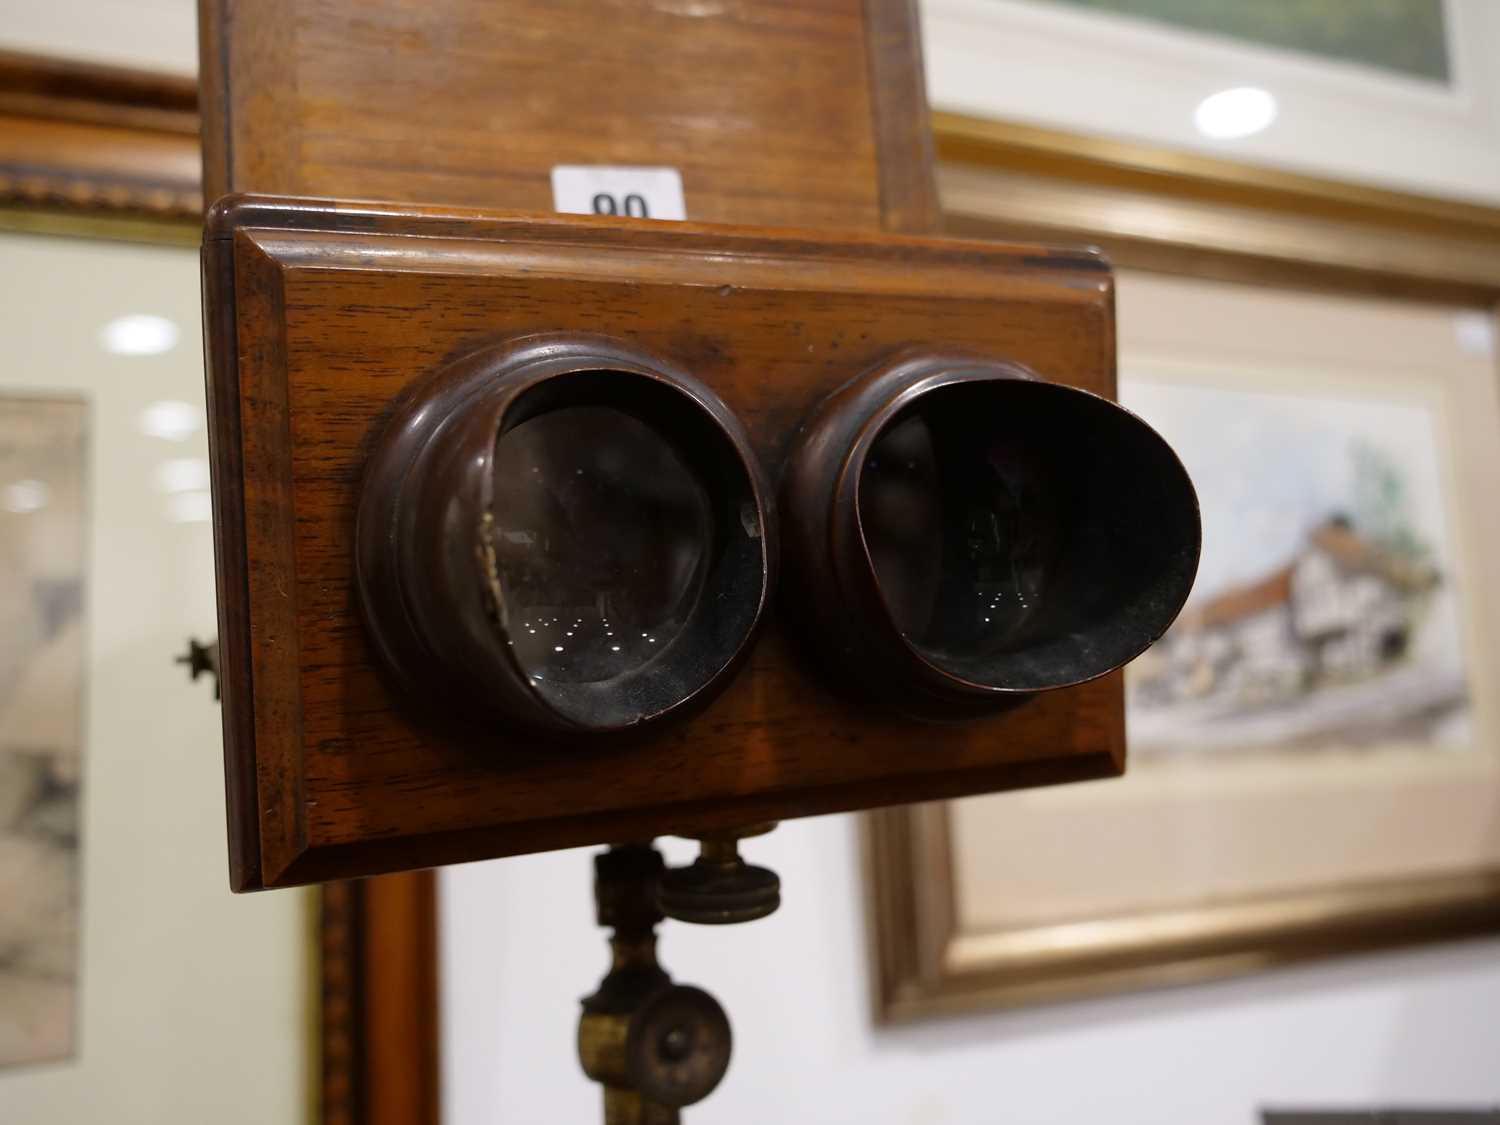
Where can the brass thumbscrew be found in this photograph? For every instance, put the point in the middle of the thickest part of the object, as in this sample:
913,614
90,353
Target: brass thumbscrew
719,887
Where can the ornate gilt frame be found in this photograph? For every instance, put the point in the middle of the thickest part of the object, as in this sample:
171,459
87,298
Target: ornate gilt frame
1201,217
90,142
102,152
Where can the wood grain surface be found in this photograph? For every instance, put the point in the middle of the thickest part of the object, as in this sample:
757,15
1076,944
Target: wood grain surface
808,112
378,1001
339,309
776,112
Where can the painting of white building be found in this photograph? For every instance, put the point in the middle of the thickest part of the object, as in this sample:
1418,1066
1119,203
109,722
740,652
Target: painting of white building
1326,610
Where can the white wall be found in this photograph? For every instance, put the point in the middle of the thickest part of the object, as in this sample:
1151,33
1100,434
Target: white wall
147,34
520,948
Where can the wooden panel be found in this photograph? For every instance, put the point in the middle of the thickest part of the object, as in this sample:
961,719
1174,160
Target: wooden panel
380,1034
768,107
338,312
401,1029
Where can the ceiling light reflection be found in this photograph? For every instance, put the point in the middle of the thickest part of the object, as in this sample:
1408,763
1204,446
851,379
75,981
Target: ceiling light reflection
139,334
182,474
170,420
1239,112
190,507
25,496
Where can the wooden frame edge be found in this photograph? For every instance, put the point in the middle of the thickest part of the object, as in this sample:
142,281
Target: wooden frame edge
929,970
256,374
98,141
1200,216
1084,158
379,1019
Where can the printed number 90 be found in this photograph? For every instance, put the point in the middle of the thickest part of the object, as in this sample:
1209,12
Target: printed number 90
633,205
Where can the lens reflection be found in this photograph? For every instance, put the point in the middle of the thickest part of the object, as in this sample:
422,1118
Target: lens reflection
602,543
960,524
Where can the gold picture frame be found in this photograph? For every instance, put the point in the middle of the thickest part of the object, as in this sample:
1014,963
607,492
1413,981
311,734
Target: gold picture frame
1196,217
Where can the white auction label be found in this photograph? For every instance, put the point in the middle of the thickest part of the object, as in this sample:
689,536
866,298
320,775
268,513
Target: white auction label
599,189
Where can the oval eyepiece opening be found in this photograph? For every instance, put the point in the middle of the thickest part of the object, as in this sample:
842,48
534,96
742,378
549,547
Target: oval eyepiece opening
627,546
565,532
1025,535
961,533
602,536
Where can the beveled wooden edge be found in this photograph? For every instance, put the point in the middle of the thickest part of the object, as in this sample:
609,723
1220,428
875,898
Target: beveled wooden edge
98,140
270,611
356,860
231,580
746,245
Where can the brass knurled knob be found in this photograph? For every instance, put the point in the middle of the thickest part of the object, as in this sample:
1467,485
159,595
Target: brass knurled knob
720,888
677,1046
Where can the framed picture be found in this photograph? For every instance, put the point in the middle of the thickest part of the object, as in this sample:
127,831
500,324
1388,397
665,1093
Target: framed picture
1332,609
131,981
1314,756
43,520
1139,70
128,969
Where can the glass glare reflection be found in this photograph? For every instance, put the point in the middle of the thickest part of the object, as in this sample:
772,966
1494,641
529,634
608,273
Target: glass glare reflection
599,525
960,526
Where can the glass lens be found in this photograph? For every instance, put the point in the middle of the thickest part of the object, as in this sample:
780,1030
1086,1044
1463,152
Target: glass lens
603,541
959,522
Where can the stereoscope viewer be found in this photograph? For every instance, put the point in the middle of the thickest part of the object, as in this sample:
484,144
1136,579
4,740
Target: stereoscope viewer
537,531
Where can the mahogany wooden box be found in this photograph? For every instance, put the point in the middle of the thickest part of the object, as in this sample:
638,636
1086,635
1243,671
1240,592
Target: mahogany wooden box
321,313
